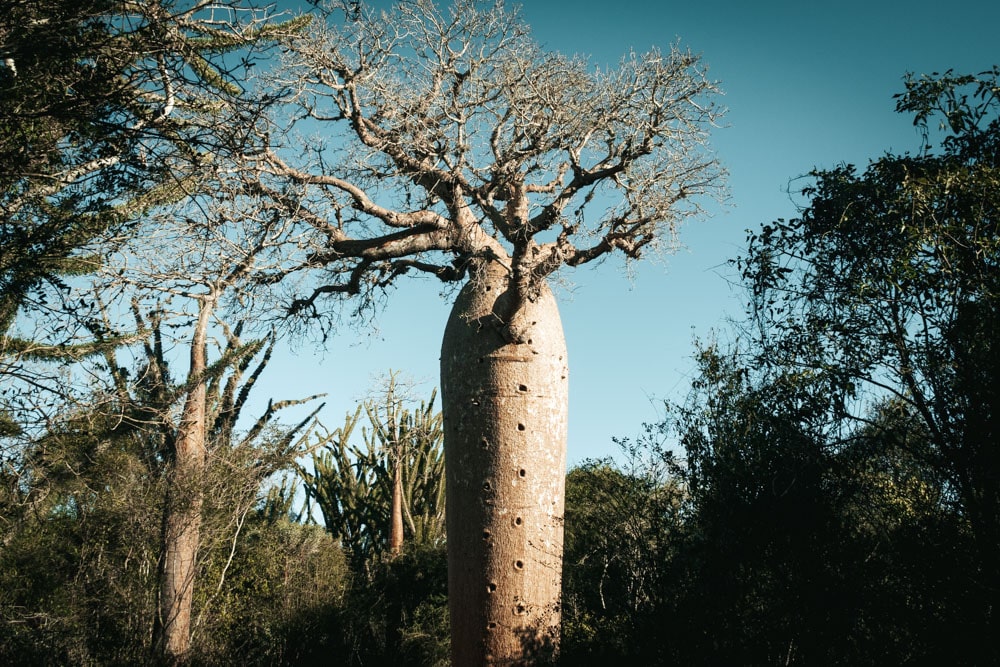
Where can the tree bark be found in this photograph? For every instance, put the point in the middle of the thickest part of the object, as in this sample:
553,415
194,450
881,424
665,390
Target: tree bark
396,506
505,418
182,513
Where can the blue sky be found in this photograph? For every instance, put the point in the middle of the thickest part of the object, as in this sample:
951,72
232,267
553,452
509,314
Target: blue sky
806,84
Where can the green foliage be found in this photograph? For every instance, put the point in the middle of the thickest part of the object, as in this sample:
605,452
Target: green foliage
801,530
70,109
839,500
840,468
79,558
48,45
621,525
352,485
888,287
784,536
966,106
83,511
107,110
79,583
274,597
397,611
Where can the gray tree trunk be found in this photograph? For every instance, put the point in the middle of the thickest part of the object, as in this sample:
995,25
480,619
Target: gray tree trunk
182,520
505,416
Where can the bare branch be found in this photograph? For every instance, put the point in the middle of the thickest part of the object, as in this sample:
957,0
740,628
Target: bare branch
500,142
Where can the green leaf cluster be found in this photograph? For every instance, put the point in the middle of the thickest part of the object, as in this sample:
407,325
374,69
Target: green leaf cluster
838,486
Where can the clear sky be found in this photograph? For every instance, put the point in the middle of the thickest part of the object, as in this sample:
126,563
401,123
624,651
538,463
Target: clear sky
807,85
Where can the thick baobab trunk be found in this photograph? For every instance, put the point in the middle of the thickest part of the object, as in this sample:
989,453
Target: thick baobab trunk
182,514
505,415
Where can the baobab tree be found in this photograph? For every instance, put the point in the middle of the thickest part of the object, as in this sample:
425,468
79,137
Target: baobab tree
459,148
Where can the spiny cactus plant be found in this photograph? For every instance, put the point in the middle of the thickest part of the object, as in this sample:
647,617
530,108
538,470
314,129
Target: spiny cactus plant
394,478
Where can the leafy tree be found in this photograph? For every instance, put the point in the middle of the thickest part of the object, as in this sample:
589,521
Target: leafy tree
136,106
190,252
807,538
622,526
465,151
886,286
81,566
756,560
107,108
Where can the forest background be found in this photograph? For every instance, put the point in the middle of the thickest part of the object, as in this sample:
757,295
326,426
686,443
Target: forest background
805,87
826,486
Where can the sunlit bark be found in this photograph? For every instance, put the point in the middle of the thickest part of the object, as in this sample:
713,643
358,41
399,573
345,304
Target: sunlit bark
182,515
505,409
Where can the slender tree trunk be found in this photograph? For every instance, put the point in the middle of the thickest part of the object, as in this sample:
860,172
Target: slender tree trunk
505,415
182,519
394,629
396,507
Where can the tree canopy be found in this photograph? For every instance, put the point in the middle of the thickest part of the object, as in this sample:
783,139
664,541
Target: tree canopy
829,492
452,135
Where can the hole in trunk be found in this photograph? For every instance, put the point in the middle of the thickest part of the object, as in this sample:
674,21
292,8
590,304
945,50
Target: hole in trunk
522,387
519,610
487,486
522,472
520,427
485,443
491,626
486,534
519,565
491,587
518,521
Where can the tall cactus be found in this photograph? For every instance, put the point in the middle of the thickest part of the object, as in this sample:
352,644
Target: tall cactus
401,456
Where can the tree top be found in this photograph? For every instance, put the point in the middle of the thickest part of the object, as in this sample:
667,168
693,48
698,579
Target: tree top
449,138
